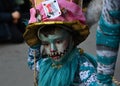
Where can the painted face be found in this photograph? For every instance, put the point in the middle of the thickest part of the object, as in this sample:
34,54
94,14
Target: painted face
57,45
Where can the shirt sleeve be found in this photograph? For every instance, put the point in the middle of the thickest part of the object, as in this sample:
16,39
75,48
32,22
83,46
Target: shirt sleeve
107,41
34,54
87,72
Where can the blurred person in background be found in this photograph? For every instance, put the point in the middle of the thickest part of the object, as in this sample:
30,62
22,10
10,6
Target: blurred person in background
9,22
24,10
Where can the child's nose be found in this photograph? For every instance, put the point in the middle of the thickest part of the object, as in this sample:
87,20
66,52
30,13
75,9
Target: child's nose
53,48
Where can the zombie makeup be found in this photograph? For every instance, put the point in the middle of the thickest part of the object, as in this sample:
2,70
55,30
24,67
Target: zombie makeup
56,45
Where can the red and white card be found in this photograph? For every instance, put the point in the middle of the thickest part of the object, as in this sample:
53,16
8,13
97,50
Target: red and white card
51,8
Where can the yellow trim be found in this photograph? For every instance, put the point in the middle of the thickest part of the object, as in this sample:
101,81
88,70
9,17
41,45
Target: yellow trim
116,82
75,24
50,22
81,51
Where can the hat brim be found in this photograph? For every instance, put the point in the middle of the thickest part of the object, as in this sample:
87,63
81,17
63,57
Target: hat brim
32,39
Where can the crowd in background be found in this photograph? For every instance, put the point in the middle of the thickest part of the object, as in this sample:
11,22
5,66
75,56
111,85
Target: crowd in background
13,14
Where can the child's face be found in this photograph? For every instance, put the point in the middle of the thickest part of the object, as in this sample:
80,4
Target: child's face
57,45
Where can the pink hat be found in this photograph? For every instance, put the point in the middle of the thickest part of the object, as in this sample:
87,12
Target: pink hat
50,12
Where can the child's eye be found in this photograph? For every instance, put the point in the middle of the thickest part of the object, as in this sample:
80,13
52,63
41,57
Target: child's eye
59,41
46,45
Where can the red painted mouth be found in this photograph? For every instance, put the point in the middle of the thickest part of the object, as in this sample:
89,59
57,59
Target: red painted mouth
55,57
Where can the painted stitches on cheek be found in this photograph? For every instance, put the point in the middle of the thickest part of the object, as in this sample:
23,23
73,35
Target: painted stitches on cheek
58,49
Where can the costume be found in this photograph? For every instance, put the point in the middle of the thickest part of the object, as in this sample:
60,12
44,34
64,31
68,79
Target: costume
54,31
81,69
108,39
106,14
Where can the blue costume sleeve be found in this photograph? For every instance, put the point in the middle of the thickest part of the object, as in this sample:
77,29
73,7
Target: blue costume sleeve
107,41
34,52
88,70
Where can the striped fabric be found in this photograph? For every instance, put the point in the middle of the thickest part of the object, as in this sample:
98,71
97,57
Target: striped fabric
107,41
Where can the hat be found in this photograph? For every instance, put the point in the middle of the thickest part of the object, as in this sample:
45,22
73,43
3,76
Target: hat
55,12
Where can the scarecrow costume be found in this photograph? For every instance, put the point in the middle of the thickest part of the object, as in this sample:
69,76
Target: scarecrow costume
70,67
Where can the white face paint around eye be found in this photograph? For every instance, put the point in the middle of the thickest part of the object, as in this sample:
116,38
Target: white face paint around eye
56,45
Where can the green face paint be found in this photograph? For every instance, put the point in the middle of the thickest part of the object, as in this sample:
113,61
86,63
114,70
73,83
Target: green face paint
56,45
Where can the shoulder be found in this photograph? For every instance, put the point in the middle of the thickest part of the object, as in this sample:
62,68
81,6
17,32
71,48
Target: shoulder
87,63
86,58
87,69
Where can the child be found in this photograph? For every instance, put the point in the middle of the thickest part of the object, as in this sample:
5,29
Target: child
55,30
